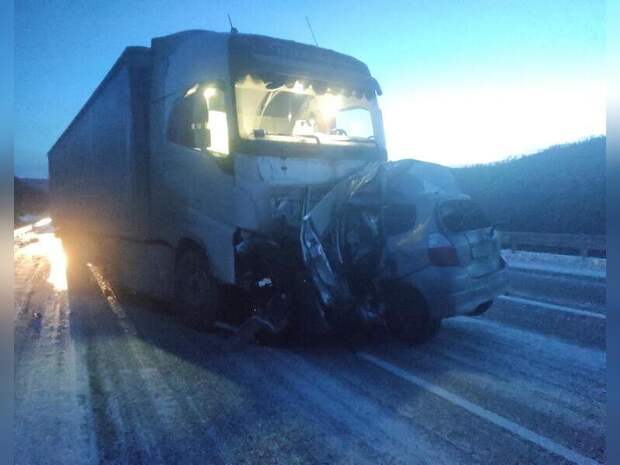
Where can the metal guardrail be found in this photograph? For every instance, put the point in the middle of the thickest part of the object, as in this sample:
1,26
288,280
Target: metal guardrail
582,243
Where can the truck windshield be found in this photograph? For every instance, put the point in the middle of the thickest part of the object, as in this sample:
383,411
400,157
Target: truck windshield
300,113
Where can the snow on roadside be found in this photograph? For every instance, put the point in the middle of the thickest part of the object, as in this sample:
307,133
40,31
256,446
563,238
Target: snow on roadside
52,411
553,263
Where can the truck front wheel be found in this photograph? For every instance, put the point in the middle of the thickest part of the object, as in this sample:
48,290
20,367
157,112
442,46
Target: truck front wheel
195,291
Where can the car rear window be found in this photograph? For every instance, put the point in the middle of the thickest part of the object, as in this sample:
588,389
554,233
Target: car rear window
462,215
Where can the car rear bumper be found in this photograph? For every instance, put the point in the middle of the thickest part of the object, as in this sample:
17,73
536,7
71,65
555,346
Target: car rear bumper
450,292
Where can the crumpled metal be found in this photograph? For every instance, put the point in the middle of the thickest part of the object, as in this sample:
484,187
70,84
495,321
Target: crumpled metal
343,237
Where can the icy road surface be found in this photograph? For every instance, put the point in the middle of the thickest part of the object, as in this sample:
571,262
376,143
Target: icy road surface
109,382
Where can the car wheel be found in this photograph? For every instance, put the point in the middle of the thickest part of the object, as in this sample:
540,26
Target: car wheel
408,317
196,291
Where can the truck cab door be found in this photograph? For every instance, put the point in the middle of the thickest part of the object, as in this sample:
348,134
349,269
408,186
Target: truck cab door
192,192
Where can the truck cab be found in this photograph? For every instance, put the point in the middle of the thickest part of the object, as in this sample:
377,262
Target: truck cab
246,131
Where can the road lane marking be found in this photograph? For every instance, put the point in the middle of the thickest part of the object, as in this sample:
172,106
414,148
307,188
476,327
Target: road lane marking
561,308
481,412
110,296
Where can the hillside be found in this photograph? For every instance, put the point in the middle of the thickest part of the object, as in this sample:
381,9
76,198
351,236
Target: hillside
561,189
30,197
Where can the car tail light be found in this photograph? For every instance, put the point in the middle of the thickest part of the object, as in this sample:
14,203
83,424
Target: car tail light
441,252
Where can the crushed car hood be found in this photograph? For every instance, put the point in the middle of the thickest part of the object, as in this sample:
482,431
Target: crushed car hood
347,238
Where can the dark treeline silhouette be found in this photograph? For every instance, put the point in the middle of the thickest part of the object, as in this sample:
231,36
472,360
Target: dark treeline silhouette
559,190
29,197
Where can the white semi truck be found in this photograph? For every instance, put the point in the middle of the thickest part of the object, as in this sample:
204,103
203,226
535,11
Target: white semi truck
192,166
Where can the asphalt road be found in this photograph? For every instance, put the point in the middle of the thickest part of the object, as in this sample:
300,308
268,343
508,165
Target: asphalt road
100,380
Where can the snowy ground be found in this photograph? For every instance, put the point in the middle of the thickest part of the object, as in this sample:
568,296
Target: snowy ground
100,380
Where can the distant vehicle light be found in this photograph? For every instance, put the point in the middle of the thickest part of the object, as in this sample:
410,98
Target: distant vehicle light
43,222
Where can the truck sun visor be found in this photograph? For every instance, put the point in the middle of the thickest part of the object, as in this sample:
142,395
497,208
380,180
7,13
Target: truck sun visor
281,62
274,80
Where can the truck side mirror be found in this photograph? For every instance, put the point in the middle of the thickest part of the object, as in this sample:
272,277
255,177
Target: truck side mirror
201,136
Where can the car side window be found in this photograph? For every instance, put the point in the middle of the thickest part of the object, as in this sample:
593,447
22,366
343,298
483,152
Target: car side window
201,107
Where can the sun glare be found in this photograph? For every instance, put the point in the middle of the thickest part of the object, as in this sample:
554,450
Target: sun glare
330,104
459,126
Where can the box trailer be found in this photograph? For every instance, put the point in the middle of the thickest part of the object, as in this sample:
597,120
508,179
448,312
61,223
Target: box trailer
99,168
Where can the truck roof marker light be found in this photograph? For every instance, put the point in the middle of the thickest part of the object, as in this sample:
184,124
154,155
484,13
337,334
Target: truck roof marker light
191,90
298,87
209,92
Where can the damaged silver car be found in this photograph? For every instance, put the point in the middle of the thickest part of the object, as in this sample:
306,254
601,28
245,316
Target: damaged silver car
396,243
399,243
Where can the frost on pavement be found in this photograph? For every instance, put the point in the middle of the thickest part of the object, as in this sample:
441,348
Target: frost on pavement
52,412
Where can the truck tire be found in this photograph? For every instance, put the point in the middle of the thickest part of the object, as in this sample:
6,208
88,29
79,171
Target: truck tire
196,293
408,317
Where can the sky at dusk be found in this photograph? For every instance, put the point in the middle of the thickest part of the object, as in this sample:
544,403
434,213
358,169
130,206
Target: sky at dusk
463,81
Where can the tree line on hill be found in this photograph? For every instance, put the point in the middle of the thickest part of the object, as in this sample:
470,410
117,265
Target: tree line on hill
558,190
30,197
